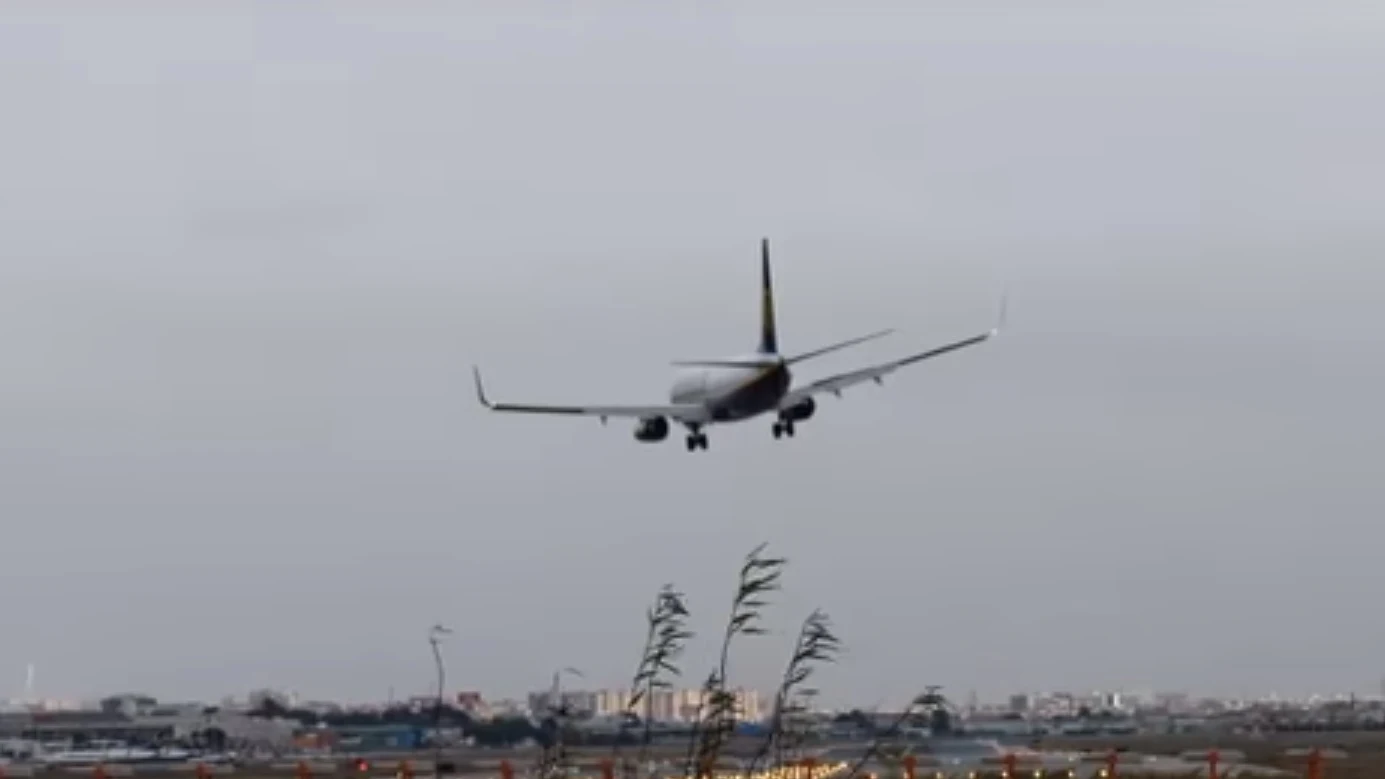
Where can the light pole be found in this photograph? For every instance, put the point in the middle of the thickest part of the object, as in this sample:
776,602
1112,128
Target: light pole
555,697
435,636
556,705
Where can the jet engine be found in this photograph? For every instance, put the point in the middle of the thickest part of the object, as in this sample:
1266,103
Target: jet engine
800,411
651,429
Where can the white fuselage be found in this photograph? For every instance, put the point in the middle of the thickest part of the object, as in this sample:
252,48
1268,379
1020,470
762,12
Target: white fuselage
734,392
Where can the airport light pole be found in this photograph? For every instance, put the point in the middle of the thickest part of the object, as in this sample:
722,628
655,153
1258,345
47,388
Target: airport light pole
557,692
435,637
556,705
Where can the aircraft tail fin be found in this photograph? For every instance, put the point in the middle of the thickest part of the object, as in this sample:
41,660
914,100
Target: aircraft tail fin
769,339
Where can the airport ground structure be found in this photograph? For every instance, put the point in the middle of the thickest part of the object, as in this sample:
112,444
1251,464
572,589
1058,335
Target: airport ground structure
1331,741
1310,755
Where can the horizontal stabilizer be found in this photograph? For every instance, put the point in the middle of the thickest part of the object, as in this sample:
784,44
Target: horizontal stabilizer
834,347
771,359
752,363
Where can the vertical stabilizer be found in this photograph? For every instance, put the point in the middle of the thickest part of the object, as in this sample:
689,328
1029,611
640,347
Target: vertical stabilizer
769,341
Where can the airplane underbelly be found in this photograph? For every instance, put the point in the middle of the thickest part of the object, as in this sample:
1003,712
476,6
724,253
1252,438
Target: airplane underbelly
733,394
753,397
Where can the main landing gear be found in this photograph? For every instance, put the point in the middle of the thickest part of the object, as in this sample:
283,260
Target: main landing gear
783,427
696,440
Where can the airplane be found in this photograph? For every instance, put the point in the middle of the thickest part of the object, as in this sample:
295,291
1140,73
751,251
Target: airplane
736,389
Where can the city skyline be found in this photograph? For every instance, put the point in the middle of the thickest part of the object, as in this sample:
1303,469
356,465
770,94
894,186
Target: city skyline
607,701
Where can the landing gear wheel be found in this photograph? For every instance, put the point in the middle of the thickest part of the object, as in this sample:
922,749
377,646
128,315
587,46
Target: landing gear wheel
697,441
778,430
788,428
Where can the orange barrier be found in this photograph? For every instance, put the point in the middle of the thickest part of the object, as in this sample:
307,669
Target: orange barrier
1316,759
1308,762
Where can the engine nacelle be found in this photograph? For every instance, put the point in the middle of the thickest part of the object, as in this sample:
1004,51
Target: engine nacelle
800,411
651,430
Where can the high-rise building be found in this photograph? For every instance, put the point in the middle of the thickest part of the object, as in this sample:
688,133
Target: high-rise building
611,703
681,705
684,705
577,703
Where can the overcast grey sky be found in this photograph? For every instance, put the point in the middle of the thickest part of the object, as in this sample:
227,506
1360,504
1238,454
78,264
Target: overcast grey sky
249,251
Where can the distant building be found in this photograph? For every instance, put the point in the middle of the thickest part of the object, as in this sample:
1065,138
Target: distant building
128,704
577,703
671,706
507,708
258,699
612,703
419,703
1173,702
1009,726
377,738
320,708
474,704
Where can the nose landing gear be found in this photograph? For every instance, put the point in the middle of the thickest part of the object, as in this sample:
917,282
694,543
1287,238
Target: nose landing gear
783,427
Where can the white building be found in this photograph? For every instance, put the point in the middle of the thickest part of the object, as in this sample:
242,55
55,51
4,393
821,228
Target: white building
672,706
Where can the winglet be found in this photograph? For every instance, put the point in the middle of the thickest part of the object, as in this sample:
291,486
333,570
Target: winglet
480,388
1000,319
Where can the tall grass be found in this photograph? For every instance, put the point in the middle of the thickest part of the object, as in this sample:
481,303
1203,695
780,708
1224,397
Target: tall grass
816,644
715,721
885,739
716,716
666,635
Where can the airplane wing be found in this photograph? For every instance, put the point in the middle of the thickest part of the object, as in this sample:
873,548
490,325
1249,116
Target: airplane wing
678,412
876,373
